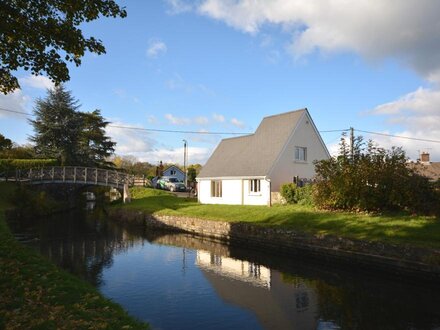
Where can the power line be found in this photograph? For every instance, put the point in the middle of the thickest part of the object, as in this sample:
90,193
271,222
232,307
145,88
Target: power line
14,111
142,128
174,131
233,133
165,130
398,136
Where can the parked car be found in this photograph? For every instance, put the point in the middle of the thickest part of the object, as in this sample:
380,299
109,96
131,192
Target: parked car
170,183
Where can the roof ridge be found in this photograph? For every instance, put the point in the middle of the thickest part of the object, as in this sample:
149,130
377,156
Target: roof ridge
284,113
238,137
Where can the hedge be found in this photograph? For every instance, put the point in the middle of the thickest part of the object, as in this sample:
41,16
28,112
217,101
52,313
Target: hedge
9,165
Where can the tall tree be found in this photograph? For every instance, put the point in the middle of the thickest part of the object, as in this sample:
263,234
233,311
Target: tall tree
57,126
72,137
94,146
5,143
44,35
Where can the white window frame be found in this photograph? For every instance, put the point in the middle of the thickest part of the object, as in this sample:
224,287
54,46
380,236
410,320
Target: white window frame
172,172
216,188
300,154
254,186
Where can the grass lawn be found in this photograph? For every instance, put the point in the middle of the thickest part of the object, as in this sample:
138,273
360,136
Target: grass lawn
405,229
35,294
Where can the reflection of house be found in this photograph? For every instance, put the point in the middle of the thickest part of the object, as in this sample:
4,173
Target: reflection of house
277,305
237,269
248,169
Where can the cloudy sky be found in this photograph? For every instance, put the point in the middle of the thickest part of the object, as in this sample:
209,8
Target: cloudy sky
220,66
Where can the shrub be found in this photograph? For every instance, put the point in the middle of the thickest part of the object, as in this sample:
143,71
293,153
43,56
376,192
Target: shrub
9,166
288,192
305,194
370,178
294,194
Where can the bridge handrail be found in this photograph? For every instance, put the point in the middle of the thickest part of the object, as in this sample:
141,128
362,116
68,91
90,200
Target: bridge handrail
75,174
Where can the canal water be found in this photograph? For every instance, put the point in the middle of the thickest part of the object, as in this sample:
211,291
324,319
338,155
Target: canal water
177,281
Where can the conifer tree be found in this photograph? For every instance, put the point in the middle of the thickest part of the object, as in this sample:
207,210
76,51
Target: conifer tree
70,136
57,126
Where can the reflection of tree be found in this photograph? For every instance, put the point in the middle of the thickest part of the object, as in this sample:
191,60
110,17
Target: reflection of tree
83,245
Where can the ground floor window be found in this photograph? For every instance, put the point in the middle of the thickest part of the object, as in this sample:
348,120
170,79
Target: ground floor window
254,185
216,188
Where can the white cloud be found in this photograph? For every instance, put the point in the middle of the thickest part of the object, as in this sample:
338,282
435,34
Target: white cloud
237,123
141,145
177,120
414,115
218,118
201,120
156,48
422,101
376,29
175,155
15,101
39,82
178,7
130,141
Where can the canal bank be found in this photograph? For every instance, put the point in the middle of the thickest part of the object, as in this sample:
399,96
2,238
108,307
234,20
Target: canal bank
37,294
393,259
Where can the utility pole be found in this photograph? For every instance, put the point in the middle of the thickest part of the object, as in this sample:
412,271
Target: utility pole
185,146
352,143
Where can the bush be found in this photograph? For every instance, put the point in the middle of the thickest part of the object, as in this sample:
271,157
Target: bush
372,179
289,192
305,194
9,166
294,194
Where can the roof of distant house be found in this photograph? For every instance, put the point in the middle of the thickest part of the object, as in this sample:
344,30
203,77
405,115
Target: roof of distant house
431,170
171,166
254,154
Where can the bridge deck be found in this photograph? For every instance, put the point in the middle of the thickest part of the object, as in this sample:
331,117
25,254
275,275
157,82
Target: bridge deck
75,174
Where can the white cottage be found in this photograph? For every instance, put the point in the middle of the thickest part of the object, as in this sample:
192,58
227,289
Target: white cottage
250,170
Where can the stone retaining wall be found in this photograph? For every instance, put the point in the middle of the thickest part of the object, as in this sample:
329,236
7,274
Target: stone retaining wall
401,260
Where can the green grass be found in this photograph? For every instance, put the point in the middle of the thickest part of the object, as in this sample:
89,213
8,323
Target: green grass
35,294
398,228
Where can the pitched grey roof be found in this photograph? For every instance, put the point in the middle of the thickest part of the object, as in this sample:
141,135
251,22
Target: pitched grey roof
431,170
252,155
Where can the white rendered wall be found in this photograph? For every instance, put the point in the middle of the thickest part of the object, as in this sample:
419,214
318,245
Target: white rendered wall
252,198
286,167
234,191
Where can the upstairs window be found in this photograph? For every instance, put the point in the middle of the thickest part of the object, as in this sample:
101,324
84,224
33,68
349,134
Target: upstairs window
173,172
216,188
301,154
254,186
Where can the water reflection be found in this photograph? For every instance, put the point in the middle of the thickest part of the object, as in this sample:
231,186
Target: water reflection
179,281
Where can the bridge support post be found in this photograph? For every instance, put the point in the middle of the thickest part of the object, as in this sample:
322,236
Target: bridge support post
126,198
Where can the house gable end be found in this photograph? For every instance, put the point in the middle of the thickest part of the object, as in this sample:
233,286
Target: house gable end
305,135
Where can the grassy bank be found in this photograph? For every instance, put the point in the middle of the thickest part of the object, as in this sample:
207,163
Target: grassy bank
400,229
35,294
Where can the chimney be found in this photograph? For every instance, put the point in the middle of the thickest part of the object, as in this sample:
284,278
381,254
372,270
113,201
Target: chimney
424,158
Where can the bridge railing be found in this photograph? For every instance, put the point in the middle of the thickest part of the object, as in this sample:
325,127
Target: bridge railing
75,174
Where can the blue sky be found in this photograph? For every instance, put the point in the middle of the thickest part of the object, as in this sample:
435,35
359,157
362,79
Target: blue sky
213,65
